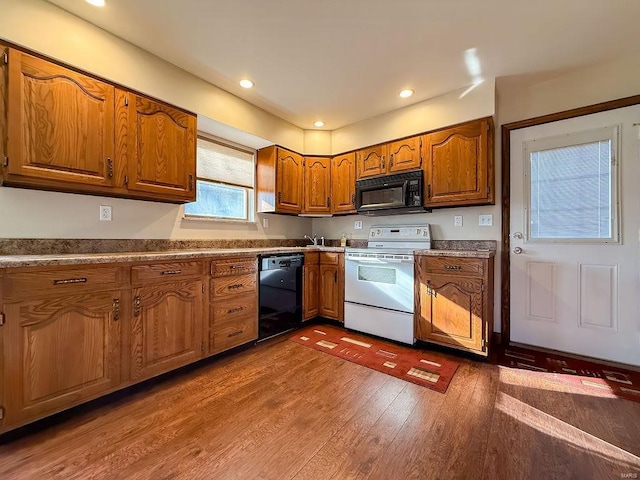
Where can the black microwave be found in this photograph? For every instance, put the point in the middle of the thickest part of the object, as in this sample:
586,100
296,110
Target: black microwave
392,194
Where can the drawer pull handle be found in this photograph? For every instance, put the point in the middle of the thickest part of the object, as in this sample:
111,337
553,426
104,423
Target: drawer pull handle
235,310
233,267
452,267
235,334
136,306
69,280
116,309
235,285
171,272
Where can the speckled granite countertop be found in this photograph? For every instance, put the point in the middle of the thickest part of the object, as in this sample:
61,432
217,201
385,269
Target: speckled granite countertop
9,261
51,252
457,253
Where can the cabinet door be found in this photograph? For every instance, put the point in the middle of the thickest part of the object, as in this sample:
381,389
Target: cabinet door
60,351
161,149
405,154
317,185
329,293
60,126
289,178
166,328
450,311
343,184
310,290
457,165
371,162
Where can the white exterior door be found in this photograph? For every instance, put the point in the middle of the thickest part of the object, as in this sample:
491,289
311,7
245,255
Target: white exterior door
575,235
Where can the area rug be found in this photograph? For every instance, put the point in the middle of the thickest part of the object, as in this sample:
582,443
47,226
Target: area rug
411,364
609,381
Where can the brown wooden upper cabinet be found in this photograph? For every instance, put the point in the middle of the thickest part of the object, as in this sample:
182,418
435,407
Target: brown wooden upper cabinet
69,131
459,166
317,185
160,147
280,175
343,183
389,158
60,125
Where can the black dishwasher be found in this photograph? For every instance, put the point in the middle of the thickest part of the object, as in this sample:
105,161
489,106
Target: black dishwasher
280,294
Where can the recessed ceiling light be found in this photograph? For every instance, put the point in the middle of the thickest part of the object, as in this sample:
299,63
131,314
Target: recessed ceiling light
96,3
246,83
406,93
319,123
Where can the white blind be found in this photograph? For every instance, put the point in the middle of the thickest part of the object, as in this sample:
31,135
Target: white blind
571,193
224,164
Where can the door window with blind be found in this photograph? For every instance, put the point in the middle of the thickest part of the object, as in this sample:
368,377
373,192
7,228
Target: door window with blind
224,184
570,184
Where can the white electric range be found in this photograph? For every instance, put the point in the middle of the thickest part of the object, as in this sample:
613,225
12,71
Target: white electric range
379,281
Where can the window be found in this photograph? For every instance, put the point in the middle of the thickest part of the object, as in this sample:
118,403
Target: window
571,182
224,185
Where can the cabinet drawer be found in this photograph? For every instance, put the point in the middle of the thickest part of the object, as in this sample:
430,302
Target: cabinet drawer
233,266
329,258
234,333
454,266
61,280
232,286
141,274
311,258
223,311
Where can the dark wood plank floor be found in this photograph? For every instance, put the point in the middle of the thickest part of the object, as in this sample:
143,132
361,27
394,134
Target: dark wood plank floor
284,411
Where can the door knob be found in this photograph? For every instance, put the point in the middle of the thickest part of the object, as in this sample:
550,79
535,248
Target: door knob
517,250
517,235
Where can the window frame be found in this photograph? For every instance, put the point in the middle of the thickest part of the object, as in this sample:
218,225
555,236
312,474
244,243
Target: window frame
611,133
250,192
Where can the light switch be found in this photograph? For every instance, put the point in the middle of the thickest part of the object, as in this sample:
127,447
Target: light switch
357,225
485,220
265,223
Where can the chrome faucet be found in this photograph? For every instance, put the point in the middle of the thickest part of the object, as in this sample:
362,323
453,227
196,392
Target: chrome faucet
314,239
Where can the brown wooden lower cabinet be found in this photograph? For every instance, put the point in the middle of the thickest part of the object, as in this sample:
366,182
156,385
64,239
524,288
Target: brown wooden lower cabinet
233,303
310,285
454,302
59,350
71,334
166,327
323,286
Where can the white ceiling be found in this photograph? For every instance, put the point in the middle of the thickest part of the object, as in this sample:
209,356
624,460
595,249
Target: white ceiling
346,60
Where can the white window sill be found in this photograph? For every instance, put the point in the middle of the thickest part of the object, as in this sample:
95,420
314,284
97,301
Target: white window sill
198,218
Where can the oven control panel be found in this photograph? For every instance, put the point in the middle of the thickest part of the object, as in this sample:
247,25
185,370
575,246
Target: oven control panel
403,233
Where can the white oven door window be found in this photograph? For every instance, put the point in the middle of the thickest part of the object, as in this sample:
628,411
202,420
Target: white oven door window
380,284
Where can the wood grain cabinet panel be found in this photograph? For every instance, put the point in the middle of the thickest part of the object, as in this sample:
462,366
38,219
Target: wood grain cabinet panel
161,149
310,291
405,155
317,185
60,351
235,285
166,327
343,184
454,309
142,274
331,294
60,126
371,162
459,165
279,180
227,335
233,266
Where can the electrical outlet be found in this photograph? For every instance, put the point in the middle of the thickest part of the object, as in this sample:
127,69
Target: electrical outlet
485,220
105,213
457,220
357,225
265,223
